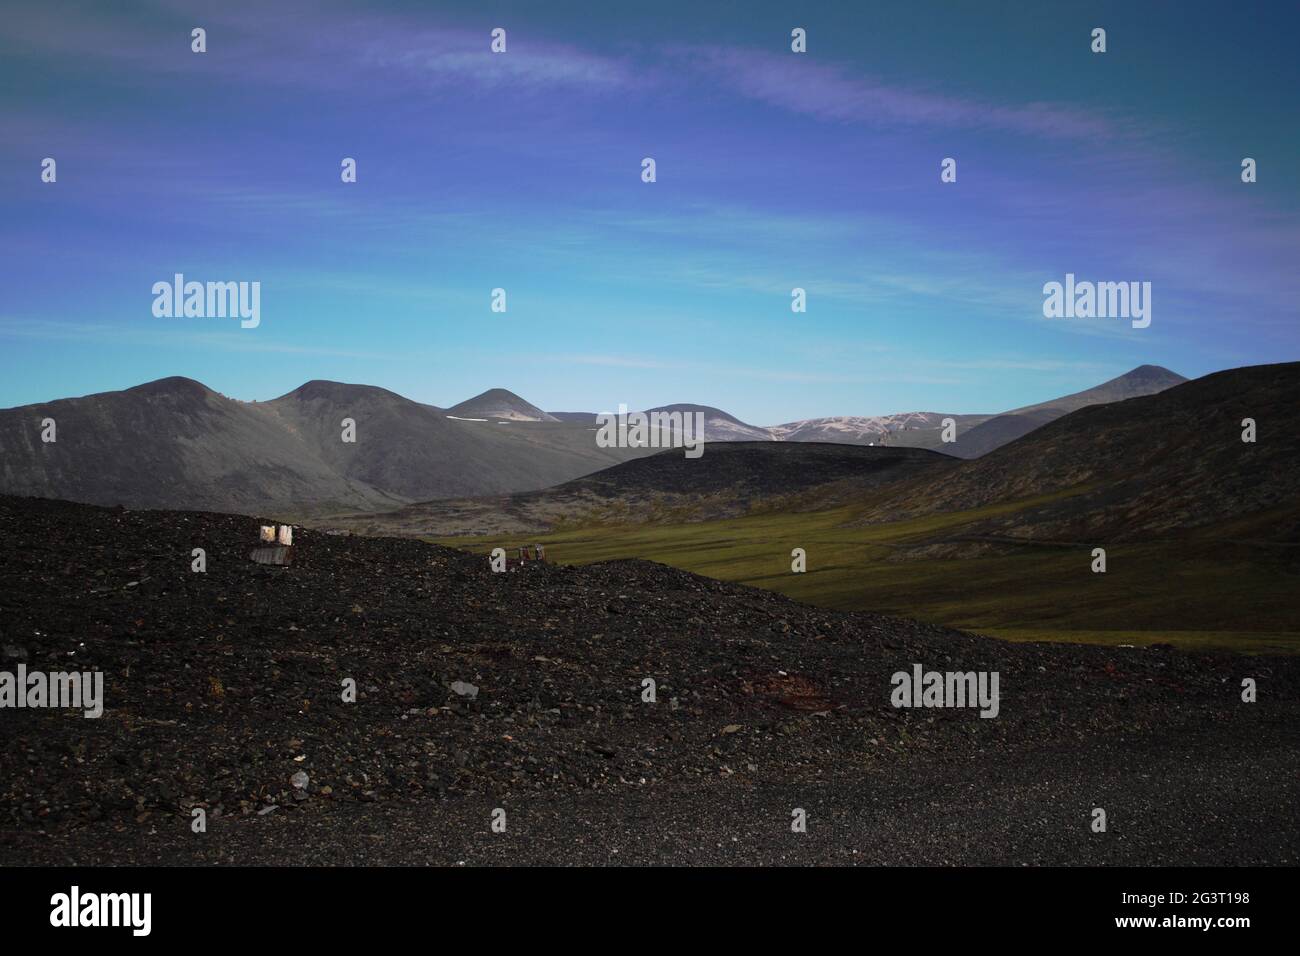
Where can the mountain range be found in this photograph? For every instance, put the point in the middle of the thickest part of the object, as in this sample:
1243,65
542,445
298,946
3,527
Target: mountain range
1121,471
976,434
1188,498
175,443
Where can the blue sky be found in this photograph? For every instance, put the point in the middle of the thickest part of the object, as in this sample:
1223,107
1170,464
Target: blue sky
522,171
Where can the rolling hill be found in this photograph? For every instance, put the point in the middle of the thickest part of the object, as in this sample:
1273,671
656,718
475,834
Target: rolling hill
175,443
907,430
719,426
1156,464
498,403
977,434
980,438
731,479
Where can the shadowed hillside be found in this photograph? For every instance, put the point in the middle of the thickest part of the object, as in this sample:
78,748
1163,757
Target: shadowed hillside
755,469
1007,427
170,443
729,479
1153,465
176,443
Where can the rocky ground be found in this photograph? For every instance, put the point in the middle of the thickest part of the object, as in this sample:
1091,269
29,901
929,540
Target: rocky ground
523,692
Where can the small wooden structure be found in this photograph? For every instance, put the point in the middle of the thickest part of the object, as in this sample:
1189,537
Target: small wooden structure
274,549
529,552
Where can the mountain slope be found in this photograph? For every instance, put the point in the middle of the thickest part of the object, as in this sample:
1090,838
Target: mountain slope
753,470
905,430
169,443
498,403
718,425
1154,464
1143,380
175,443
730,479
975,434
982,438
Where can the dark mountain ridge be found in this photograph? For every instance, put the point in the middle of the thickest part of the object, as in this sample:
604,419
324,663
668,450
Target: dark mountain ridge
728,480
1170,461
1007,427
175,443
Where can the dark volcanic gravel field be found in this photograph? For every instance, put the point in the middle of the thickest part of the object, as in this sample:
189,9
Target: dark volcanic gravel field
220,687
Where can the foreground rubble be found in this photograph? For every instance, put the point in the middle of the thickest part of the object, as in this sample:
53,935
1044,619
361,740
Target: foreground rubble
224,691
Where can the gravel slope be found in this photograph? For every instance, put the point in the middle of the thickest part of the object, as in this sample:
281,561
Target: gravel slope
222,686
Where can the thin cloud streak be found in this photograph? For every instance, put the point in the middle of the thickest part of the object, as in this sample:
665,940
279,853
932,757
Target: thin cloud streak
833,94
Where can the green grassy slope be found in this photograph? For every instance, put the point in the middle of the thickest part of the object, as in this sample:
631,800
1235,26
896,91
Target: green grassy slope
1216,589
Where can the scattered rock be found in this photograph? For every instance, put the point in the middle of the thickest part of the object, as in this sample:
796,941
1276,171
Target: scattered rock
463,689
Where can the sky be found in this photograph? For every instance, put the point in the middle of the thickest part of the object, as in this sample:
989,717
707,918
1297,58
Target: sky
522,171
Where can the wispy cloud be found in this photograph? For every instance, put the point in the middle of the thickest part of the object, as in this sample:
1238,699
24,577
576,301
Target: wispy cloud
321,46
833,93
459,57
